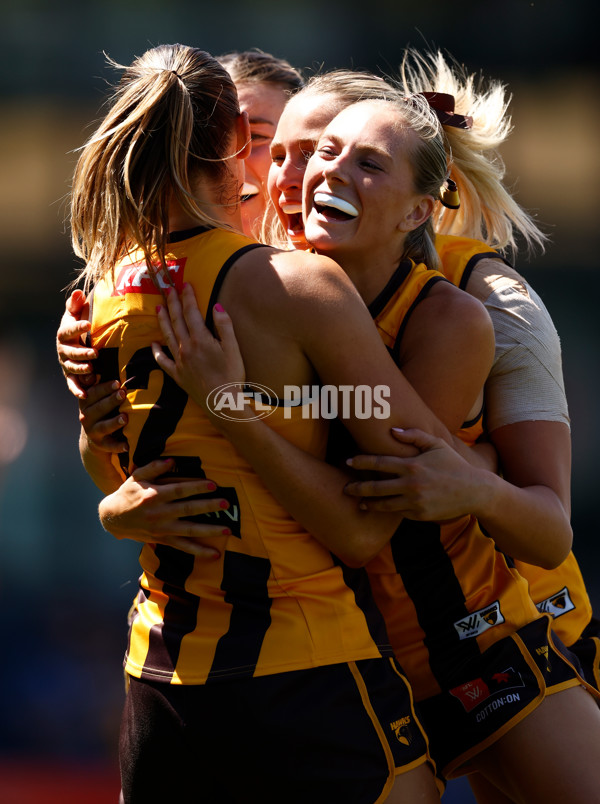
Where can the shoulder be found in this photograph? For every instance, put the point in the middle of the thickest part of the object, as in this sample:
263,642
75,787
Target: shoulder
292,274
448,305
491,274
451,322
291,292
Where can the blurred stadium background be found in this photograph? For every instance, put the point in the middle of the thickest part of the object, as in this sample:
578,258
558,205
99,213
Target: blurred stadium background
65,585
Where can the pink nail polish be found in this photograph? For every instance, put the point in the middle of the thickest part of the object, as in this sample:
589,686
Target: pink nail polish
211,486
226,532
223,504
219,308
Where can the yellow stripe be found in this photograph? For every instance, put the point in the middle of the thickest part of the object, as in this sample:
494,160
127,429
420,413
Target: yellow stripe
362,689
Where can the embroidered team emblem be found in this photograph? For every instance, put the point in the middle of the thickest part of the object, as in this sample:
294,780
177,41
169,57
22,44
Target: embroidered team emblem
135,278
556,605
401,729
479,621
543,651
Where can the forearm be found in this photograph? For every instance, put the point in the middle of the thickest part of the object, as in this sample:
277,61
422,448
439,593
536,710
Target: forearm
99,466
480,456
312,492
530,523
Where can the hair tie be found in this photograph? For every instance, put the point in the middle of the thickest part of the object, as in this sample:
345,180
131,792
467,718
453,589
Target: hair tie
176,74
449,195
443,106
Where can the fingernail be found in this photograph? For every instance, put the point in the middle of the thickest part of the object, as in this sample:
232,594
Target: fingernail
121,420
226,532
219,308
211,486
158,308
397,430
223,504
350,462
363,506
115,385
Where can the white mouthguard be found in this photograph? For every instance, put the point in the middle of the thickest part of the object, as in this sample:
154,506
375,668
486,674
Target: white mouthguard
291,209
328,200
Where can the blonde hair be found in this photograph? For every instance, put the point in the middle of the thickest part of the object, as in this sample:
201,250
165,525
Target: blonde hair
487,211
254,66
170,122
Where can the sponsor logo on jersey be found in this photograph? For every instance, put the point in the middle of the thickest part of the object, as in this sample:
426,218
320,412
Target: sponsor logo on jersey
488,694
401,729
557,604
135,278
479,621
229,517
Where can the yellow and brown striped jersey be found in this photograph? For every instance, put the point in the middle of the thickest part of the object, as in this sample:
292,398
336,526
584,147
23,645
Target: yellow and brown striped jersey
561,591
276,600
445,592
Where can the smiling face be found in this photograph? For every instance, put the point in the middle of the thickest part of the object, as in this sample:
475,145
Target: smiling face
264,103
298,132
360,199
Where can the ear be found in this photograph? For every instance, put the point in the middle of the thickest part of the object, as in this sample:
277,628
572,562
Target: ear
421,211
243,144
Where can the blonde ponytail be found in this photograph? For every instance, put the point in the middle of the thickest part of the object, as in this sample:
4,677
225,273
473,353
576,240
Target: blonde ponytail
169,123
487,211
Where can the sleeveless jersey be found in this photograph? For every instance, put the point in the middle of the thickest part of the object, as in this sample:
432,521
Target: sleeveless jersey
561,591
275,600
445,592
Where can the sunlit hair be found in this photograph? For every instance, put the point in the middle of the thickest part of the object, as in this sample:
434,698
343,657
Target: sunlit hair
257,67
170,124
487,210
349,86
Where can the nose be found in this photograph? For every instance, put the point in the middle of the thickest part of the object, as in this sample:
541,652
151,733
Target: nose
290,174
334,168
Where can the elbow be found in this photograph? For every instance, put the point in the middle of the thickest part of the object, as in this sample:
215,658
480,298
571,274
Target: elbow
353,560
559,551
360,548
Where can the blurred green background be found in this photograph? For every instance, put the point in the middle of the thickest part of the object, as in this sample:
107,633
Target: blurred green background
65,585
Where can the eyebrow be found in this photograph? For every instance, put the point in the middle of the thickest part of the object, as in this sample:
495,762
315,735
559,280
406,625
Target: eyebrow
259,120
362,146
306,142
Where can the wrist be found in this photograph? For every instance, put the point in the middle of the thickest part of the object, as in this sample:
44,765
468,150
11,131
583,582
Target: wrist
486,497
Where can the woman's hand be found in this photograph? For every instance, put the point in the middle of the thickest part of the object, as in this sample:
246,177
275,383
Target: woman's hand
146,510
100,417
435,485
200,362
73,356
